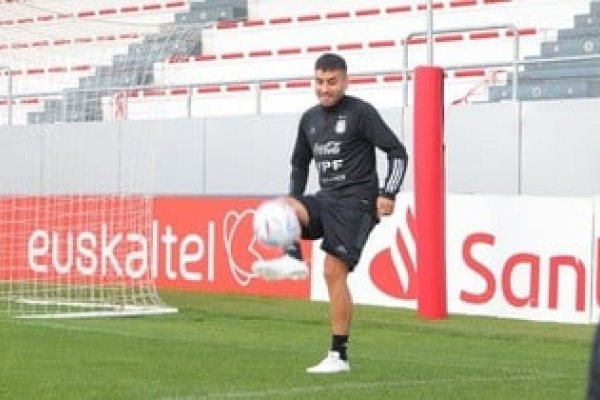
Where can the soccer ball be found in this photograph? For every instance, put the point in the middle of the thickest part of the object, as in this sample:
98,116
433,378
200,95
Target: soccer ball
276,224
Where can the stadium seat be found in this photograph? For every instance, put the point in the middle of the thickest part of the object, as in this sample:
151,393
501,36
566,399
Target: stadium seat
241,47
557,72
134,67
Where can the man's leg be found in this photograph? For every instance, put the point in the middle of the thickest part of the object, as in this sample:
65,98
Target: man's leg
340,315
291,265
300,209
293,250
336,275
340,303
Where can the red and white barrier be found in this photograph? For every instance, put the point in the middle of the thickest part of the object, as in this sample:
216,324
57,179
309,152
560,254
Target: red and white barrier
507,256
533,258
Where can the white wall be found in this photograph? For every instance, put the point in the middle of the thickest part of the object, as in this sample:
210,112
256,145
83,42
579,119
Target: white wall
560,148
540,148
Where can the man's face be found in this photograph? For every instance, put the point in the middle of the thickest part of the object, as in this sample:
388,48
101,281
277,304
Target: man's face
330,86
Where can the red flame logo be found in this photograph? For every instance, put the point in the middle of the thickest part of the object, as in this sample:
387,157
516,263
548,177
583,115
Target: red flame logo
384,272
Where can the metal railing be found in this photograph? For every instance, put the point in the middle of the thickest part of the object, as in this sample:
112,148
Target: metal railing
9,98
256,84
431,37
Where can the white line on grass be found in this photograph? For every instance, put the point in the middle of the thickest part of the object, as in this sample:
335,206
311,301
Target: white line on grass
302,390
101,331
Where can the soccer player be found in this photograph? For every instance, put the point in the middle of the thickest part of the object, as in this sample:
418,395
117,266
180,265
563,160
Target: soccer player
340,134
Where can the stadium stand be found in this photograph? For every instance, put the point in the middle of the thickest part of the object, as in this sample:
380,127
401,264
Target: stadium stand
51,49
89,60
567,67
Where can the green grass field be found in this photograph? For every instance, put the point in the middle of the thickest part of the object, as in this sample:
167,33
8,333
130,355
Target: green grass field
234,347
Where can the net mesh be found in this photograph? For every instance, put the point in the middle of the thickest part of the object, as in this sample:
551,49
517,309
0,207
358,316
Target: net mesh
74,61
76,235
76,221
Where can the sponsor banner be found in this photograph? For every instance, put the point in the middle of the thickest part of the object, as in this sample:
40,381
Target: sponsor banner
194,243
596,264
520,257
207,244
506,256
386,273
74,240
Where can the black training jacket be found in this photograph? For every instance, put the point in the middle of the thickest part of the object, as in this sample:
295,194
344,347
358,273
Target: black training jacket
342,140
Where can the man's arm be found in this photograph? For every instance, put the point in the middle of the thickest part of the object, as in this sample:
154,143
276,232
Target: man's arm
395,175
380,134
393,181
301,157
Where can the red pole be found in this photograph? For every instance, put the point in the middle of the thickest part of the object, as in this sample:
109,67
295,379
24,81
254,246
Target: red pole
430,192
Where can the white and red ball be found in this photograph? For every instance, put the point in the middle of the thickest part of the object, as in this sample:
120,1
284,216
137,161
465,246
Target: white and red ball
276,223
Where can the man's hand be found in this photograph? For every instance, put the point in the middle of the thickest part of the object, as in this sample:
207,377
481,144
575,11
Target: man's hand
385,206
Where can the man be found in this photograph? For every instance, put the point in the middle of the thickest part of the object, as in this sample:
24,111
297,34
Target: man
341,134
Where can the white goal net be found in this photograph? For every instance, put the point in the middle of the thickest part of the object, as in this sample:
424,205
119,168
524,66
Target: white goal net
75,184
76,224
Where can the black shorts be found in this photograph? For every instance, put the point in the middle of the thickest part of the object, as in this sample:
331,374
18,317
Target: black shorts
344,225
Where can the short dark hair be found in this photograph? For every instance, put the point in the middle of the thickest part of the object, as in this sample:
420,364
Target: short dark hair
331,62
